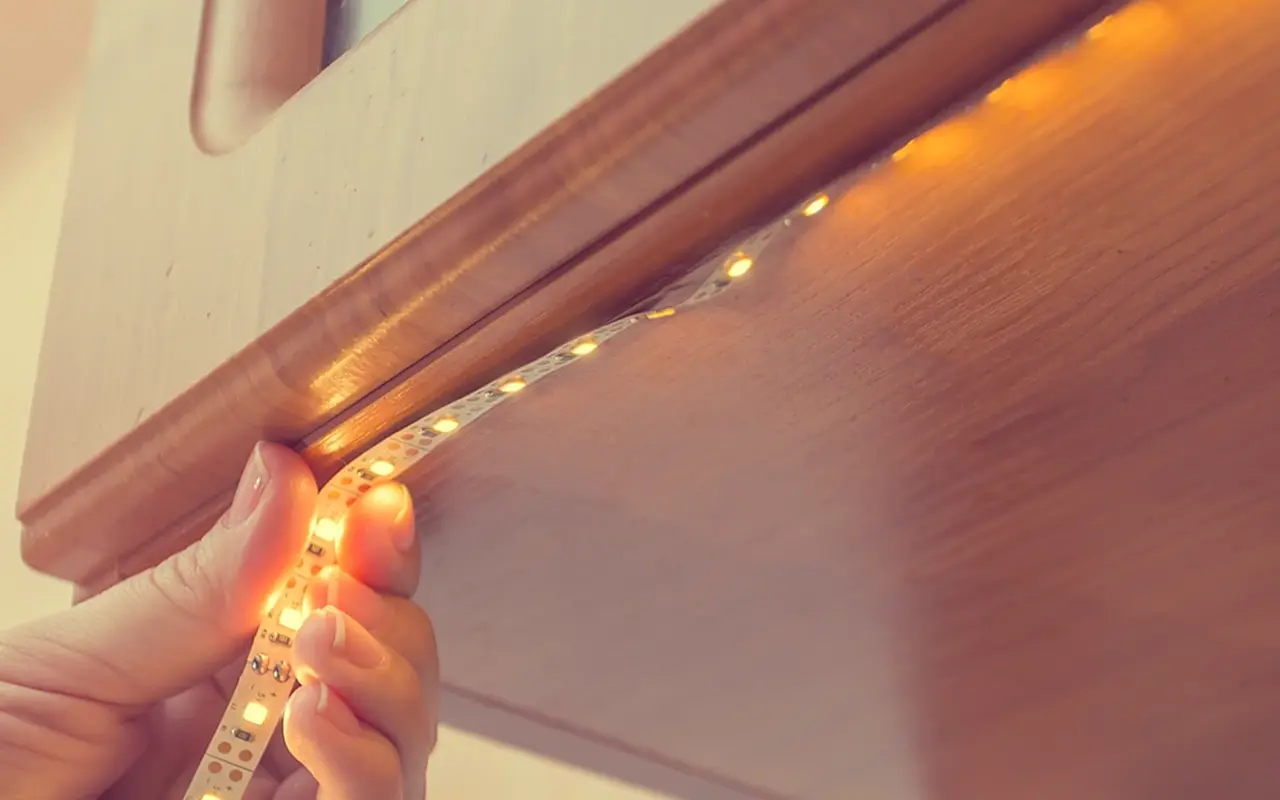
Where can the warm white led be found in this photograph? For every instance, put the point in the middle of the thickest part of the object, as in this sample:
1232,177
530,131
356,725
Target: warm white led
738,266
270,605
382,468
291,618
326,529
584,347
660,313
512,386
815,205
445,425
210,797
255,713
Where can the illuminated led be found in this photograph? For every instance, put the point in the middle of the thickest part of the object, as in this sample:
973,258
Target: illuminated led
326,529
445,425
291,618
210,797
942,145
1036,87
512,386
382,468
996,94
271,602
1098,30
815,205
737,267
1141,26
660,313
255,713
584,347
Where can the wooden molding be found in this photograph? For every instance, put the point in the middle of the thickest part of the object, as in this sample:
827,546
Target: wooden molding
599,209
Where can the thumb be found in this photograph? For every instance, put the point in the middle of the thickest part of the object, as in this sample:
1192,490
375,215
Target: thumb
171,626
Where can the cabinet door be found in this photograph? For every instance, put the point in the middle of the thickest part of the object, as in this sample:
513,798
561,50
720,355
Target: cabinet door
966,490
255,250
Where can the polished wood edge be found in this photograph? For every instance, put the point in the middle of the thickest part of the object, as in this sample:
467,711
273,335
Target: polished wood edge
545,207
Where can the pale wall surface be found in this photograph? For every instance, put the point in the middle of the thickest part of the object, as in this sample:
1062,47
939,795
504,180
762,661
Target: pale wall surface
39,66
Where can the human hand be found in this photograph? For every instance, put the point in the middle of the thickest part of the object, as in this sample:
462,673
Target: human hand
117,697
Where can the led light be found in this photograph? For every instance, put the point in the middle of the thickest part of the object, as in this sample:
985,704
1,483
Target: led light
738,266
1032,88
1100,29
326,529
1001,91
1138,27
1141,26
291,618
815,205
255,713
271,602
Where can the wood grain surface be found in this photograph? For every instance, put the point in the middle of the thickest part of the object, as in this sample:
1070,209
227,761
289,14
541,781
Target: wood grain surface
597,210
969,492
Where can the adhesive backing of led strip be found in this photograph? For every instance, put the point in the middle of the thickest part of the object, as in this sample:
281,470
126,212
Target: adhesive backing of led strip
268,679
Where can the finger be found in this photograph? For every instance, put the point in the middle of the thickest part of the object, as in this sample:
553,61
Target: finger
169,627
380,686
400,624
300,785
379,546
348,760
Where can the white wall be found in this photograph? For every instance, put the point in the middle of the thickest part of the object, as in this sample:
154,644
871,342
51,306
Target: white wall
41,44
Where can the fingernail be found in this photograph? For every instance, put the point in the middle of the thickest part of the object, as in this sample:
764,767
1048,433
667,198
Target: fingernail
352,642
336,711
340,591
253,483
402,532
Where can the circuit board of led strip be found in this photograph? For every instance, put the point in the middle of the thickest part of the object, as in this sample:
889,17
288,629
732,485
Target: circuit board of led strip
268,679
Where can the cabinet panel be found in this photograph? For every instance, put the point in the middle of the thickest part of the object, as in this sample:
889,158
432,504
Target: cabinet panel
967,491
174,261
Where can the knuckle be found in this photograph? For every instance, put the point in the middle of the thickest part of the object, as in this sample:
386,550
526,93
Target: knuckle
188,581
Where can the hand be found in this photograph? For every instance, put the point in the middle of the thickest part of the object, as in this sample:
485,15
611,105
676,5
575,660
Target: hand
118,697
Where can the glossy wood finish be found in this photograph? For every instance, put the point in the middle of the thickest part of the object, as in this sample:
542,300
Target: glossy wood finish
595,212
968,493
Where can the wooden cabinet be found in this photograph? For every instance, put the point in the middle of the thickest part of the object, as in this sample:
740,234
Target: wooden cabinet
967,492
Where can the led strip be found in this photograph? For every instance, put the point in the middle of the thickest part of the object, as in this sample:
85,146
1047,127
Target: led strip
268,679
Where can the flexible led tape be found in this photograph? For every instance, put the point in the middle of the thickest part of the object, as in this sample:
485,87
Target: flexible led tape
269,678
